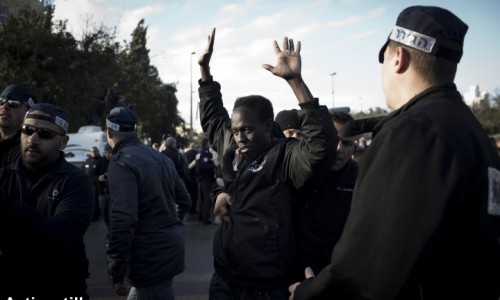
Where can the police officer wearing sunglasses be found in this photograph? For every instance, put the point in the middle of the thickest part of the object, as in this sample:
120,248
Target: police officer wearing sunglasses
45,209
15,100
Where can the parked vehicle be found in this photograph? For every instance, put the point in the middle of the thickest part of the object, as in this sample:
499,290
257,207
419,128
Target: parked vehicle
79,144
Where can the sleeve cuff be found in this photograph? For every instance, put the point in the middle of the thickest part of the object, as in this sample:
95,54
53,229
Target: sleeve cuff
312,104
206,82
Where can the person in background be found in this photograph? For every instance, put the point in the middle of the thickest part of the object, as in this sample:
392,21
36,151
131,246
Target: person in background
172,152
205,174
101,172
89,167
193,184
326,207
147,206
288,120
15,101
425,214
254,245
46,207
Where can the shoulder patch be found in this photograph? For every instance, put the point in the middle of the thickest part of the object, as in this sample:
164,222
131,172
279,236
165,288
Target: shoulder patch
493,191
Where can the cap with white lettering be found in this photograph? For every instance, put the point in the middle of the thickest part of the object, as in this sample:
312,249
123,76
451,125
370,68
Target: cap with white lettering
433,30
122,119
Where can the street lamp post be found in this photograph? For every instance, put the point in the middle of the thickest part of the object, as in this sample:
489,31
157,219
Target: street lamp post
333,95
191,90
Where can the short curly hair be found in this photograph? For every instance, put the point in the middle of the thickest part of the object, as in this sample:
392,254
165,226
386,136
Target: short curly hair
263,106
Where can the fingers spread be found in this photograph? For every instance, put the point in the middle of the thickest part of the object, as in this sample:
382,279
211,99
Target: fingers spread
276,47
211,40
268,67
285,43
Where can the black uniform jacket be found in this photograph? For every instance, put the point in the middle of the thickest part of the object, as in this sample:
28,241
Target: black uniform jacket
147,205
256,248
323,216
41,232
419,227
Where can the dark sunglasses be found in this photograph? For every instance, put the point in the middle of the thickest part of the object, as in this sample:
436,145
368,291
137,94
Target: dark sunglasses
10,103
43,133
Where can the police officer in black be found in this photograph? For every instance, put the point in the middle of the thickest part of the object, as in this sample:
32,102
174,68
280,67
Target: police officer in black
326,207
15,100
425,210
45,208
90,167
205,175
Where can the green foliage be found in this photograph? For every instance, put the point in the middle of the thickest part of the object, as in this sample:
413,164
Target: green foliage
77,74
489,116
372,112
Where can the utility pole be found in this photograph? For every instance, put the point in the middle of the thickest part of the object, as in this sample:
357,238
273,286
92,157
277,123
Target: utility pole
191,90
333,91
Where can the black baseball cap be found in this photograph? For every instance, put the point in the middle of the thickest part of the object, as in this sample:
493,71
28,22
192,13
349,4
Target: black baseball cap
57,115
121,119
21,93
288,119
433,30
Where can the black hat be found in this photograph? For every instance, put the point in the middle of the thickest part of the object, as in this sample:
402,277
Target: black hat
20,93
430,29
58,115
288,119
121,119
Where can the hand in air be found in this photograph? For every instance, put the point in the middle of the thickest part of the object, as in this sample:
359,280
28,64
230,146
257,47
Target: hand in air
289,61
204,60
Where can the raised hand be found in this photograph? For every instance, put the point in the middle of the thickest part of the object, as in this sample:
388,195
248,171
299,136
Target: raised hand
289,62
204,60
289,67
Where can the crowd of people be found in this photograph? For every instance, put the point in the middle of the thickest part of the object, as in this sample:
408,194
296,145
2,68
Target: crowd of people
299,215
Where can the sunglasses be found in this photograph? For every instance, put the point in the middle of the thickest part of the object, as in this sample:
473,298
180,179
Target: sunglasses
43,133
10,103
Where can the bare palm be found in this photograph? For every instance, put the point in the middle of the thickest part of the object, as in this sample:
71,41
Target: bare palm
289,61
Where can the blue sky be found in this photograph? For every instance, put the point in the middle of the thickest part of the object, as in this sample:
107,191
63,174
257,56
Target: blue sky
341,36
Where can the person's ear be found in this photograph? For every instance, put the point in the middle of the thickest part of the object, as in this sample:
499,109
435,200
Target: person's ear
64,142
109,133
401,60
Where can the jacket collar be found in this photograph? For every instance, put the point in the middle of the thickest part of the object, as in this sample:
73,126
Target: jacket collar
447,88
131,139
56,167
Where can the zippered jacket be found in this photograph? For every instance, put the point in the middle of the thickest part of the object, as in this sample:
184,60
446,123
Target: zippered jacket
147,237
256,249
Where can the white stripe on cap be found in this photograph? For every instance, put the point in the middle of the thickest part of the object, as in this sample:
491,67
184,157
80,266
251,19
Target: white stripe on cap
413,39
114,126
61,122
